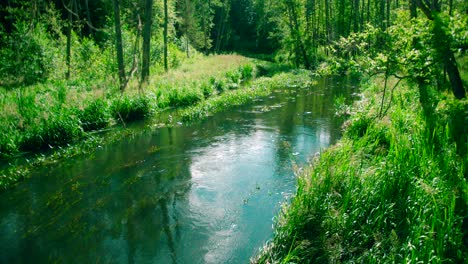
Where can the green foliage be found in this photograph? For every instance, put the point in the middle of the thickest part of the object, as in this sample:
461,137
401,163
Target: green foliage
218,84
95,115
246,72
9,140
61,128
453,120
126,108
258,87
25,55
208,88
358,127
184,97
383,194
233,76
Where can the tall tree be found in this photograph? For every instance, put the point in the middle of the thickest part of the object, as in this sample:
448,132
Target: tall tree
69,36
166,22
148,21
118,46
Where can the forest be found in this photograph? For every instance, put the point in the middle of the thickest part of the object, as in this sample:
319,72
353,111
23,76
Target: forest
78,76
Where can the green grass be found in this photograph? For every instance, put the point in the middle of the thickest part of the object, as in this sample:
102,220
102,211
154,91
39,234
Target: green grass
393,190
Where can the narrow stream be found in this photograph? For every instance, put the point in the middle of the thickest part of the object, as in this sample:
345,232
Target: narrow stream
205,193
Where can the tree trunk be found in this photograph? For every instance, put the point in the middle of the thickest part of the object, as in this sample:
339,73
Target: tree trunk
327,22
450,7
146,40
69,36
413,10
454,75
388,14
88,17
186,27
442,47
118,46
166,21
295,28
356,16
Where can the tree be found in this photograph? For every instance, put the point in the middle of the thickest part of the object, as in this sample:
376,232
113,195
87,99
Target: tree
69,36
118,46
166,22
148,21
205,12
189,25
442,45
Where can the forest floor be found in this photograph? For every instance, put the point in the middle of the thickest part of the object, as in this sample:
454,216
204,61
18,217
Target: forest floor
46,123
392,190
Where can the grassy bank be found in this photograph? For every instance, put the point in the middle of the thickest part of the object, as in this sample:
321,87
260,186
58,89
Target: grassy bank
48,123
393,190
49,115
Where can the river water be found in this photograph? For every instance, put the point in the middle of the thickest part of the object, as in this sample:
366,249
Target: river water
204,193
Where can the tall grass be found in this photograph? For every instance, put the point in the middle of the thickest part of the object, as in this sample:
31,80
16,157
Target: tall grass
384,194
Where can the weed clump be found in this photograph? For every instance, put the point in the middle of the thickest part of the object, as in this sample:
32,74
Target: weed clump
126,109
57,130
184,97
95,116
246,72
358,127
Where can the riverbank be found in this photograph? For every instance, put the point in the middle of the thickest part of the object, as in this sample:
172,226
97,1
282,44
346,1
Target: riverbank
44,126
393,190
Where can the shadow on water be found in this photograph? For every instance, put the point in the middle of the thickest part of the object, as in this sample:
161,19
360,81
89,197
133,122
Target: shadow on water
205,193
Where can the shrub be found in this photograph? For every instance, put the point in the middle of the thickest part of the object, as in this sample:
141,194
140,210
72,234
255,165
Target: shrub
219,85
246,72
130,109
60,129
95,116
24,57
8,144
358,127
184,97
207,89
234,76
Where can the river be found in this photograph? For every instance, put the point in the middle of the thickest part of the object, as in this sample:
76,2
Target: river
203,193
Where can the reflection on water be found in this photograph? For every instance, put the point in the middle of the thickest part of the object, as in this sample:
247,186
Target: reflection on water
200,194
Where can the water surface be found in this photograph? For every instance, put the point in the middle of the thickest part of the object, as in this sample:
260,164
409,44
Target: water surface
205,193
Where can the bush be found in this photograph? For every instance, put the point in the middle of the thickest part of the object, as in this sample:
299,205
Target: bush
184,97
234,76
95,116
219,85
246,72
130,109
25,60
207,89
8,142
358,127
60,129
